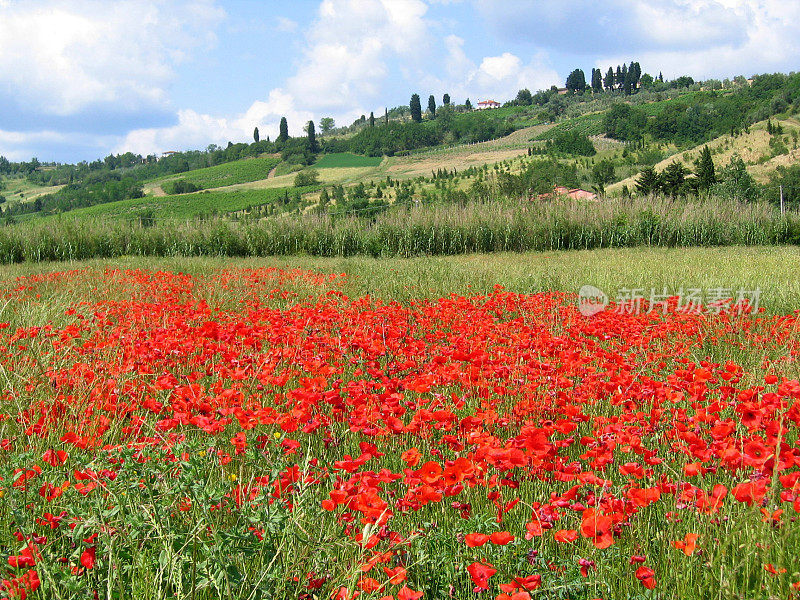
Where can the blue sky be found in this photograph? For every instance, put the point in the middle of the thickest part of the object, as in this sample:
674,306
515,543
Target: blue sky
82,78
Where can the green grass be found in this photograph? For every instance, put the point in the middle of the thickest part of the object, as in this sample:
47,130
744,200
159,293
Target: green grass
240,171
591,124
346,160
184,206
776,271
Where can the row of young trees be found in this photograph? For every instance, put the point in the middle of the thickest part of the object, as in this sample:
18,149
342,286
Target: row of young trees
415,106
626,79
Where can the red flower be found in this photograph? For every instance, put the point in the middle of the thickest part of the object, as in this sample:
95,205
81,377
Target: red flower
646,576
565,536
406,593
88,557
475,540
599,528
501,538
688,544
480,574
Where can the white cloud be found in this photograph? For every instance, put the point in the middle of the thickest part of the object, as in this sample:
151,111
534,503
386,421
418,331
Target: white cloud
348,49
196,130
60,58
770,44
286,25
497,77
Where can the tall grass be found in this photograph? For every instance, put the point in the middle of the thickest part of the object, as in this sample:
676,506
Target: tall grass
418,230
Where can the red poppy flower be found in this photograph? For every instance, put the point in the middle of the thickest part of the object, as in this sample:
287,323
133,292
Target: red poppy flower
480,574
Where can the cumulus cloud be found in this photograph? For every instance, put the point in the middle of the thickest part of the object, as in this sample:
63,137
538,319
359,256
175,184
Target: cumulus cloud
591,27
496,77
770,44
61,58
197,130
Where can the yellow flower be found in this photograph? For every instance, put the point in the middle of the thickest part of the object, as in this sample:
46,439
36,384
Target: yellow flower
232,477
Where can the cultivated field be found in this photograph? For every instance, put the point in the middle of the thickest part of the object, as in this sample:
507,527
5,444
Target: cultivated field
453,427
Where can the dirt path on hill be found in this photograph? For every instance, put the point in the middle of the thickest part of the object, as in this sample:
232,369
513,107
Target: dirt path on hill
271,174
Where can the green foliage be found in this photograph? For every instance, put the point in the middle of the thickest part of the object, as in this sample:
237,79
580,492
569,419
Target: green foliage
704,169
735,183
603,172
648,182
311,137
524,98
283,130
242,171
789,179
432,106
408,231
624,122
307,177
416,108
572,143
326,125
576,81
100,188
180,186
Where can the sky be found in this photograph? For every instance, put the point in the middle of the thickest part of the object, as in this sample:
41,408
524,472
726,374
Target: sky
80,79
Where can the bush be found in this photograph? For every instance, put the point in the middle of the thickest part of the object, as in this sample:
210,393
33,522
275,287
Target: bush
306,178
180,186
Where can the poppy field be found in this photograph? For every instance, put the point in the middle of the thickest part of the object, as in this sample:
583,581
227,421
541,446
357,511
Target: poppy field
258,432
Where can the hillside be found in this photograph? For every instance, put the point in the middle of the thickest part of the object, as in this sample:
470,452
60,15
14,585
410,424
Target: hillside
598,142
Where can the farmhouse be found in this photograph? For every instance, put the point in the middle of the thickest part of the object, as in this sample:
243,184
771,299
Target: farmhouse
488,104
575,194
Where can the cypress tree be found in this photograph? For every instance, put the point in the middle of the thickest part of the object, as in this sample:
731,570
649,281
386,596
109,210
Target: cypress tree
608,82
372,119
386,116
416,108
312,137
256,137
432,106
706,174
283,130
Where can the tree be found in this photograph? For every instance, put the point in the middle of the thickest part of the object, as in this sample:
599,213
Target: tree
597,81
432,105
603,173
312,137
608,82
386,116
648,182
673,180
576,82
283,130
735,183
619,79
306,178
416,108
256,137
627,85
372,119
468,104
706,176
326,124
446,99
637,74
524,97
